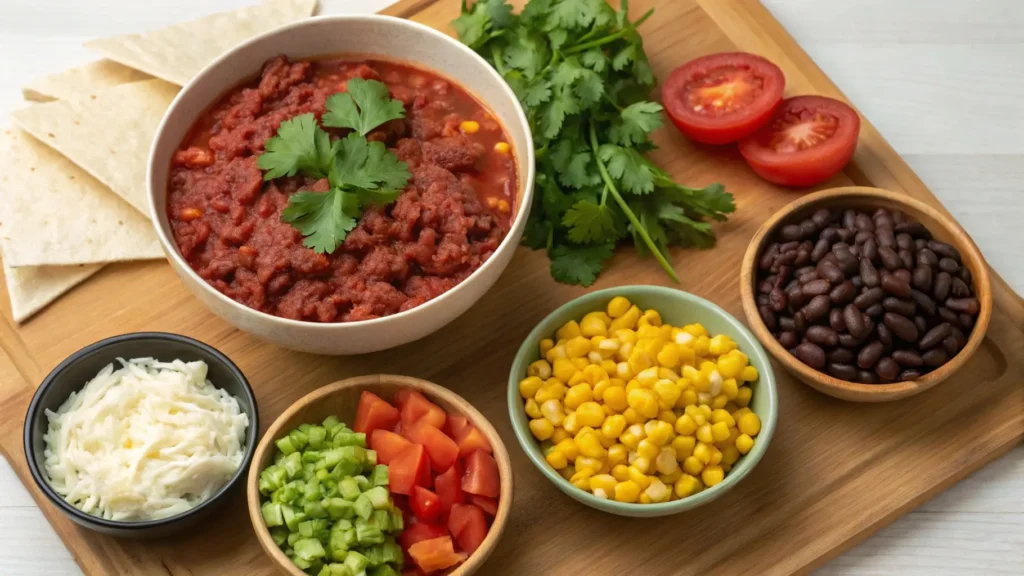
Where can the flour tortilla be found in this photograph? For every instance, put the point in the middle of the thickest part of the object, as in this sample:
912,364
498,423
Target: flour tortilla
54,213
31,289
91,77
177,53
107,133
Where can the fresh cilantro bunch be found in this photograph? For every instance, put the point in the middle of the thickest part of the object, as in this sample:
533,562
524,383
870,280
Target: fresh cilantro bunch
580,71
360,172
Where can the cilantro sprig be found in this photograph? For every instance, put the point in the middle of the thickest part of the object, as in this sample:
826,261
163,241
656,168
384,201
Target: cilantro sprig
580,70
359,172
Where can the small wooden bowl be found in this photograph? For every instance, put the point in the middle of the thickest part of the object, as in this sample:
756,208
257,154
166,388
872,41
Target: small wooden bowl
341,399
941,227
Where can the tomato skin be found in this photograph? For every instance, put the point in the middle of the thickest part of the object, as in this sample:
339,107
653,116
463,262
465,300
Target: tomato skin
755,79
470,440
441,449
448,487
416,408
374,413
488,505
813,164
410,468
468,526
481,477
454,425
425,504
435,554
388,445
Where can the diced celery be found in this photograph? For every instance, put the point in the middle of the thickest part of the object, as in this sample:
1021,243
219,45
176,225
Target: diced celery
311,491
311,456
374,555
293,538
397,520
316,435
292,465
304,427
306,529
285,445
371,458
384,570
335,569
308,471
393,552
379,476
382,519
344,524
349,438
272,514
363,482
290,491
309,549
352,453
337,544
378,495
363,507
329,486
279,534
339,508
347,468
356,561
302,563
321,474
349,488
367,533
278,456
299,438
331,421
314,510
292,517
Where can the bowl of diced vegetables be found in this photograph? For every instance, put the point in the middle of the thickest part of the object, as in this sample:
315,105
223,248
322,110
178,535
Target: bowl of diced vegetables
378,476
642,400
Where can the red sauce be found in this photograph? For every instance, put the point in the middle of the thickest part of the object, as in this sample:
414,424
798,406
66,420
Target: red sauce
452,216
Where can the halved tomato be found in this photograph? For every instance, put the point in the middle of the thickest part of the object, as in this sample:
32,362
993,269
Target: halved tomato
468,525
448,487
481,477
471,439
425,504
374,413
808,141
441,449
388,445
435,554
416,408
720,98
488,505
410,468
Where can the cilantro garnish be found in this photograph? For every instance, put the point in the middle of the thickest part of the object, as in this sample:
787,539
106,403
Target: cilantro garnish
581,73
359,172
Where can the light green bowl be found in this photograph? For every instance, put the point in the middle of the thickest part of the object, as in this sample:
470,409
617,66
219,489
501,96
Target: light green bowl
677,308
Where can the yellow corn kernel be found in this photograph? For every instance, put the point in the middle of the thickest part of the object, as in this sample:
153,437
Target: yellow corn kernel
632,416
730,388
702,452
683,446
589,444
668,417
750,424
667,374
577,347
704,433
599,389
617,454
688,485
647,377
593,374
604,482
633,435
577,395
670,355
625,336
730,455
571,425
705,410
610,368
590,414
698,379
558,351
540,369
639,476
552,410
652,347
577,378
533,409
658,432
701,345
580,480
657,491
627,491
469,127
594,324
691,465
614,426
722,416
730,365
719,401
668,393
639,361
671,477
618,306
721,344
528,387
696,329
569,330
647,449
541,428
545,345
645,331
588,465
748,374
606,441
620,472
622,355
731,407
744,443
559,435
716,456
685,425
644,401
697,414
712,475
743,396
666,461
557,460
502,148
687,398
720,431
623,371
734,433
627,320
739,413
580,363
615,397
564,369
607,410
632,385
553,389
567,472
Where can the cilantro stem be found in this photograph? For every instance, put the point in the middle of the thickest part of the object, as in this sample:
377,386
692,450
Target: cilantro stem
610,38
610,187
499,64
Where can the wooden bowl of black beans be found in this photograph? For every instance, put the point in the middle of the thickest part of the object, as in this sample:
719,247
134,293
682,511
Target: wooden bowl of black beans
864,294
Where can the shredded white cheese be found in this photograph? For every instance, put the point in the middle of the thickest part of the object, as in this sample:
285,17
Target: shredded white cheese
147,441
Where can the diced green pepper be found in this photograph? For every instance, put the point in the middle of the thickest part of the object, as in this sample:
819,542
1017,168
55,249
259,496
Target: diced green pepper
272,514
363,507
379,476
343,439
397,520
374,555
352,453
316,435
337,544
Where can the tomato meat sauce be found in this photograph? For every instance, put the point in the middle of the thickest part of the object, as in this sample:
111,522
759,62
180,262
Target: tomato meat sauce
452,215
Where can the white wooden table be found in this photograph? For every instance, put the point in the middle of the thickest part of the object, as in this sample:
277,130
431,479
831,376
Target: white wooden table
942,80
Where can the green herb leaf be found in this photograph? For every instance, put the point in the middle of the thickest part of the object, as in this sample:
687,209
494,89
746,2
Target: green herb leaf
595,59
580,170
320,218
579,264
536,94
635,122
527,51
627,165
589,87
590,222
299,146
364,106
367,165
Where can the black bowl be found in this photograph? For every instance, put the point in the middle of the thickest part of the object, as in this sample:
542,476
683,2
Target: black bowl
72,374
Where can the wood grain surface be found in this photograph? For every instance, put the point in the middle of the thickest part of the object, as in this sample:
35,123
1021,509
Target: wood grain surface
834,473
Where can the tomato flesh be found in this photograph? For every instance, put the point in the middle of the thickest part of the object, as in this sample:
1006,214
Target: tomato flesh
426,506
420,531
374,413
441,449
416,408
481,477
448,487
468,526
455,424
721,98
408,469
471,440
809,140
435,554
488,505
388,445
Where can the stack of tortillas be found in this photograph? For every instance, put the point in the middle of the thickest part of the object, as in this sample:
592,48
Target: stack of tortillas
73,189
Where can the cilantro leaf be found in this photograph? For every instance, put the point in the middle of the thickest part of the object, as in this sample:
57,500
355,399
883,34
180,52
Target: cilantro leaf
553,201
535,235
367,165
552,115
589,87
635,122
566,73
527,51
473,25
299,146
320,218
572,14
536,94
626,164
594,59
364,106
579,264
590,222
499,12
580,171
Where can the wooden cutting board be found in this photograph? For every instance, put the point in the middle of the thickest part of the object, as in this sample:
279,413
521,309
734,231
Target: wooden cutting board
835,471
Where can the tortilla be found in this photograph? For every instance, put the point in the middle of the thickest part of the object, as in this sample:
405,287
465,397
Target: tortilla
54,213
177,53
91,77
107,133
31,289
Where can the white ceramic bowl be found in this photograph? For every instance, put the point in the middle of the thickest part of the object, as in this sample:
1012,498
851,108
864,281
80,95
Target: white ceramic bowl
371,36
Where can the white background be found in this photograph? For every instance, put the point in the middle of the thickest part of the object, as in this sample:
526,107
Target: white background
943,80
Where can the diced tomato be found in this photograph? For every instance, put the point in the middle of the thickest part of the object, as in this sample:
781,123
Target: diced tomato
441,449
410,468
435,554
448,487
481,477
468,525
470,439
419,532
455,424
388,445
413,571
402,396
416,409
488,505
374,413
425,504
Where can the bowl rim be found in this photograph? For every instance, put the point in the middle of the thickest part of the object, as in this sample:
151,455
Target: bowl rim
430,390
869,392
526,174
39,476
766,378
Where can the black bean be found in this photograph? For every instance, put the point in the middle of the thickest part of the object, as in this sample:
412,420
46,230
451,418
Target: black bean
922,278
789,246
884,334
850,341
784,259
791,232
808,228
949,316
863,222
940,288
849,219
875,310
965,275
788,339
768,257
821,217
870,249
786,323
909,374
854,320
885,238
898,217
800,322
842,371
848,263
915,229
830,235
894,285
862,237
855,250
843,293
949,265
921,323
817,308
926,257
858,282
907,358
890,259
870,354
807,277
784,275
767,284
796,297
904,242
883,221
950,345
903,274
777,299
767,316
965,305
924,302
887,369
762,299
828,269
868,273
866,377
901,326
820,249
792,284
935,357
966,321
802,257
835,320
841,356
803,270
811,354
846,234
961,339
869,298
816,287
823,336
906,257
840,246
899,306
944,249
960,289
